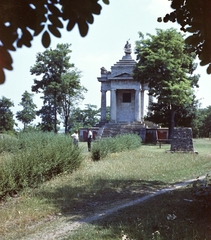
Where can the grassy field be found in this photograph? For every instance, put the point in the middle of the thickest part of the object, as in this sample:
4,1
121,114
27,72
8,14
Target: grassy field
117,178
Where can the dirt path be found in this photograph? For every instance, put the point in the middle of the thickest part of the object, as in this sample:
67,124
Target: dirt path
63,226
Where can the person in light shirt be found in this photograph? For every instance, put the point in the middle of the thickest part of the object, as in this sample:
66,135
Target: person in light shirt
74,136
89,139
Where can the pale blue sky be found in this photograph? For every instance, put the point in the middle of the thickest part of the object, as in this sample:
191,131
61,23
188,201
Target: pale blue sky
103,46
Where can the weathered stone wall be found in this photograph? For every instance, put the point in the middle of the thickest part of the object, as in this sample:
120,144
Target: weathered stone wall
125,111
182,140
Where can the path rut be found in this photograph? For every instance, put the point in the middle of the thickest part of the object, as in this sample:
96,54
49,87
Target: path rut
64,226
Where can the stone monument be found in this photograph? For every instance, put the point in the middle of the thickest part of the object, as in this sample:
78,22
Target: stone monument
126,94
182,140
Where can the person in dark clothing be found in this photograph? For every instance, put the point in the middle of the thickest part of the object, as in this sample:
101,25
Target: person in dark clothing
89,139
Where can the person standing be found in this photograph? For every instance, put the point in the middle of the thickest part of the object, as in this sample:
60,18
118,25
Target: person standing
74,136
89,139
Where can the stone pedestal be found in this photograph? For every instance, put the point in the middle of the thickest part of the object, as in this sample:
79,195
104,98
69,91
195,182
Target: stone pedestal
182,140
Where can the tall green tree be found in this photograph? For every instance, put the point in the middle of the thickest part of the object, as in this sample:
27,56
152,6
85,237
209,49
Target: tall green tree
22,20
28,114
194,18
59,80
165,64
6,115
71,94
46,113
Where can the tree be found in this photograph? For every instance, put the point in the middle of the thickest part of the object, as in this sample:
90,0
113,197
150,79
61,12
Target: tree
71,94
50,65
87,117
6,116
46,113
22,20
58,83
194,18
205,126
28,114
165,64
185,116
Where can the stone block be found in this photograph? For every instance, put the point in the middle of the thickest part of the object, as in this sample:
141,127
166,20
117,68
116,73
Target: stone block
182,140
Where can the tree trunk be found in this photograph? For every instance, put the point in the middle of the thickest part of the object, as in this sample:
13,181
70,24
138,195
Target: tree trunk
66,124
55,115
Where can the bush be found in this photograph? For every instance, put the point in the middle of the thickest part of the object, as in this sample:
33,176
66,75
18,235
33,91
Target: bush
38,158
102,147
8,143
202,191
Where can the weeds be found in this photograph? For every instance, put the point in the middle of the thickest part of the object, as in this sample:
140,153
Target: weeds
103,147
38,158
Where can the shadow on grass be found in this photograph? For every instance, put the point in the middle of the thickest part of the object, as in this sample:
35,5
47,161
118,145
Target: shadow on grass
168,216
171,215
86,199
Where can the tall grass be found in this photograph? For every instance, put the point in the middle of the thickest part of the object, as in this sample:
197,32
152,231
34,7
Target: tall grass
36,158
8,143
103,147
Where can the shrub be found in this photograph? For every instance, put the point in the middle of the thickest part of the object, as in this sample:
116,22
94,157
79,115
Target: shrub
102,147
38,158
202,191
8,143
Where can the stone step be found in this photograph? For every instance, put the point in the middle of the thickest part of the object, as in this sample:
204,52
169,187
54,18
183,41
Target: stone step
113,129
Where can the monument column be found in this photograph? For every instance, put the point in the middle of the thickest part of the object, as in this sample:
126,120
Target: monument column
113,106
137,105
103,106
142,105
150,101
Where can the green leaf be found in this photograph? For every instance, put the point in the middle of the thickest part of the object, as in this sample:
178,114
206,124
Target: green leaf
90,19
5,59
46,40
204,62
5,62
83,27
27,38
191,29
209,69
38,29
55,11
9,37
70,25
106,1
176,3
54,31
55,21
20,43
2,76
159,19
